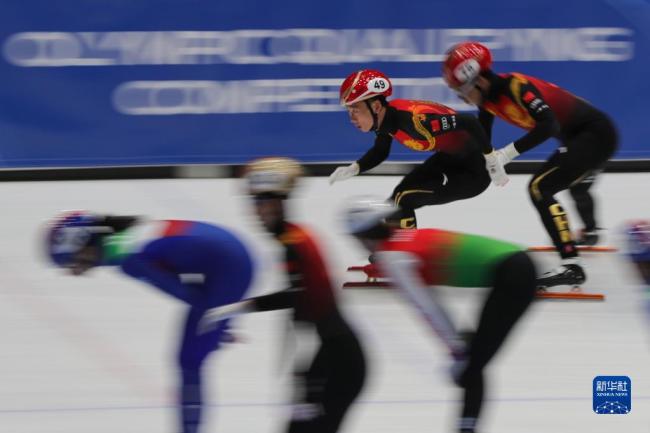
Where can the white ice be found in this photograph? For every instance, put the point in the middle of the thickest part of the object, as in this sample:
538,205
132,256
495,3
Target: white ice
96,353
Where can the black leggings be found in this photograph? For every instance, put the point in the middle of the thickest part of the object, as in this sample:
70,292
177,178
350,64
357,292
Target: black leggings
333,381
580,156
584,201
441,179
513,291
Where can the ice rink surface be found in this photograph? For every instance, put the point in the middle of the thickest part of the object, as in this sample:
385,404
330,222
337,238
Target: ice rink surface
96,354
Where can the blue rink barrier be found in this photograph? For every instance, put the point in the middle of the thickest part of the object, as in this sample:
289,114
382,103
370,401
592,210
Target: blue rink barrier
122,83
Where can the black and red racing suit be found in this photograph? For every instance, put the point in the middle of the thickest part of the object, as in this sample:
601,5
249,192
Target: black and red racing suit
587,135
455,171
335,376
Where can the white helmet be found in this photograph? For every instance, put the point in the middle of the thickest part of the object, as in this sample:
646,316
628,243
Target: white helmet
363,213
276,175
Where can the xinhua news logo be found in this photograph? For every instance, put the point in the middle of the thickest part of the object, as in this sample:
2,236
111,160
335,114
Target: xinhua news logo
612,395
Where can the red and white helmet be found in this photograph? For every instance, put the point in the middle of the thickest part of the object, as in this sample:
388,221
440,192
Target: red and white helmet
464,63
364,84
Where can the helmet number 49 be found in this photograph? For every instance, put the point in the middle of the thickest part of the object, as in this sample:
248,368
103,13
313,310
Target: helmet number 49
378,84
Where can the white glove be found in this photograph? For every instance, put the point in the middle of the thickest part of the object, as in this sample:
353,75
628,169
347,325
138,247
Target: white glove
497,160
215,315
344,173
508,153
494,165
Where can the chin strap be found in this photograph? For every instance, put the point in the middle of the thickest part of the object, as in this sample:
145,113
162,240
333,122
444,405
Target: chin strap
485,94
375,119
494,85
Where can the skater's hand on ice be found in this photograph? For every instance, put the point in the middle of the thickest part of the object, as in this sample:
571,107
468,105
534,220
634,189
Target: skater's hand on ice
344,173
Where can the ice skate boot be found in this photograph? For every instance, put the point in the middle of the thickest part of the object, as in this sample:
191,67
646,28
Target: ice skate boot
566,274
588,237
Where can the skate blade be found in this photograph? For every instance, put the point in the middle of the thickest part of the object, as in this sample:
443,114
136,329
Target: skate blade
371,282
582,248
371,275
568,296
575,294
366,285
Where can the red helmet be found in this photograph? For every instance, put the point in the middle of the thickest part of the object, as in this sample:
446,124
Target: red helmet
364,84
464,63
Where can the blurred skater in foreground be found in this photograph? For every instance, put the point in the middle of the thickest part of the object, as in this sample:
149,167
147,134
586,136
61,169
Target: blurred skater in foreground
415,259
164,254
327,384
